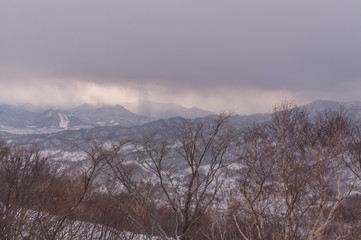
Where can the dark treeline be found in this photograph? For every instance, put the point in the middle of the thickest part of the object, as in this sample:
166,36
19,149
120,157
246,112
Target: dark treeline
294,177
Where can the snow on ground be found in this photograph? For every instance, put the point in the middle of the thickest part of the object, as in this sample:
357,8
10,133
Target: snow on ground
20,131
70,229
66,156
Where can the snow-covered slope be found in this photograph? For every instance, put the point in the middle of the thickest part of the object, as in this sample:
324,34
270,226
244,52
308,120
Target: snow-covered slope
107,115
18,120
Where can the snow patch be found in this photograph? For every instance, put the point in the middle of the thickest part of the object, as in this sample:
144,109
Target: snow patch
64,121
101,123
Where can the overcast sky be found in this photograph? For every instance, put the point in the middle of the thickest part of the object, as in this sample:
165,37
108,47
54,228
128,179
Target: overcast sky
217,55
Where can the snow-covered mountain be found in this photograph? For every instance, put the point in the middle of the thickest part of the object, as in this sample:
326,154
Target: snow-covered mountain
52,119
19,120
29,119
47,128
107,115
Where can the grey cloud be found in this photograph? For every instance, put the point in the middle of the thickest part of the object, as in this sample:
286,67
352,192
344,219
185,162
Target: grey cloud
292,45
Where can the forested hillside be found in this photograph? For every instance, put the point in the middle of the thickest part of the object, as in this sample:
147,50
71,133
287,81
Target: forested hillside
294,175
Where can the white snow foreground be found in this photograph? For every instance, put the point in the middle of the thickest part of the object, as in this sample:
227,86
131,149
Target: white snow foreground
31,224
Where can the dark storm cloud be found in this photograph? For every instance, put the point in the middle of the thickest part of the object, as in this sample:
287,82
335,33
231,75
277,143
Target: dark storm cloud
267,45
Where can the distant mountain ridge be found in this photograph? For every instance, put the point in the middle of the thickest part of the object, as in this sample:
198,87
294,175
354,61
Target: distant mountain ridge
107,115
32,120
29,119
353,108
156,110
67,132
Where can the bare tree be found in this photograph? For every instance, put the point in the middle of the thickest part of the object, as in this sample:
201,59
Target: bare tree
294,177
291,177
37,202
255,185
329,150
24,177
182,171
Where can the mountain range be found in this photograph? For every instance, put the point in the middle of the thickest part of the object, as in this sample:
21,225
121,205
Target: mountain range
67,130
28,119
164,110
